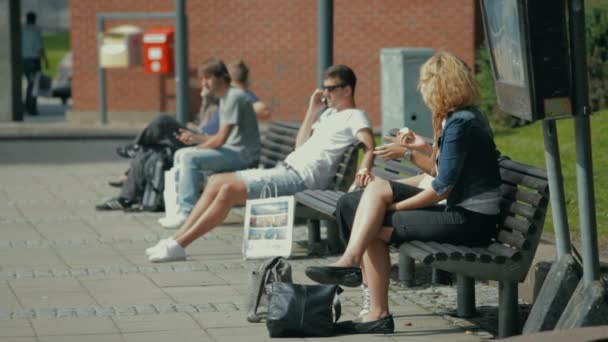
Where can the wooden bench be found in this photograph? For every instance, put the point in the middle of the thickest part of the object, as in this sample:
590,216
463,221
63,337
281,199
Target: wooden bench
506,260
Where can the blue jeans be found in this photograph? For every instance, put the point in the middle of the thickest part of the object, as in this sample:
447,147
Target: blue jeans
194,164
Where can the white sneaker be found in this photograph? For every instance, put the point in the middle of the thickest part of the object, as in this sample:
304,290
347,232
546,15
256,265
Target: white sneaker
157,247
174,222
169,251
365,305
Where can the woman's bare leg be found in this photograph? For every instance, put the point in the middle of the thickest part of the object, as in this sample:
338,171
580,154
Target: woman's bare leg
368,222
377,265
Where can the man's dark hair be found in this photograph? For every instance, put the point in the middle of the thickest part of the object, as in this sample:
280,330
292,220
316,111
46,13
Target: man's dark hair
215,67
30,17
344,74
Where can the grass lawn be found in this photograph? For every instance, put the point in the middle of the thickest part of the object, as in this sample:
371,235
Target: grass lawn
525,144
56,45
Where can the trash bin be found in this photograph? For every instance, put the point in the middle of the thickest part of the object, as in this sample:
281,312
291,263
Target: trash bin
121,47
401,102
158,50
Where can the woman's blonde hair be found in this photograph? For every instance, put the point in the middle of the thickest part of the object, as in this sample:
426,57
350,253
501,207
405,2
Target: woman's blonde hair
446,84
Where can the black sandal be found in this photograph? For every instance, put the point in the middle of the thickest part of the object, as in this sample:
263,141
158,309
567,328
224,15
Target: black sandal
115,203
127,151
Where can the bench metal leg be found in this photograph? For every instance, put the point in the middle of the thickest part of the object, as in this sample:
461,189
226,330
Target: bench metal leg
314,234
407,269
466,296
508,309
441,277
333,238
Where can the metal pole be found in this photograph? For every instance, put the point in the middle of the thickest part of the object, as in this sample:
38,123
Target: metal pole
181,61
325,35
556,188
103,110
584,164
14,17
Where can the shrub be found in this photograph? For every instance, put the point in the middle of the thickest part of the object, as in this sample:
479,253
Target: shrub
596,22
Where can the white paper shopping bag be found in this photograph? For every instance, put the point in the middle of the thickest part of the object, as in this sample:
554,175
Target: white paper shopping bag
268,227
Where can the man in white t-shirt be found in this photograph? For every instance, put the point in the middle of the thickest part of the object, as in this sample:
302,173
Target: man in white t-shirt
320,144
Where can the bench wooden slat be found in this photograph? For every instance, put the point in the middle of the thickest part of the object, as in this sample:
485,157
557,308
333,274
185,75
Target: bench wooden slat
286,124
277,156
284,138
453,253
279,130
519,224
382,173
397,167
268,144
513,238
508,252
437,253
519,209
268,162
518,194
325,197
334,195
515,178
467,254
315,203
523,168
486,256
418,254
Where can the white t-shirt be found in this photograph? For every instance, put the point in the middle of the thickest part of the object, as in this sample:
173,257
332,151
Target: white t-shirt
317,159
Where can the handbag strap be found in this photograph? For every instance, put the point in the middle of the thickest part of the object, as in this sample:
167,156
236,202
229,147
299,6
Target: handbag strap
337,305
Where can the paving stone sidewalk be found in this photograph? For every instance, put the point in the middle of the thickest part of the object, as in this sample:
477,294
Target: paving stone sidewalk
69,273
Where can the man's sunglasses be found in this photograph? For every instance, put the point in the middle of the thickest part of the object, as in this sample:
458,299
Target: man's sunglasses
333,87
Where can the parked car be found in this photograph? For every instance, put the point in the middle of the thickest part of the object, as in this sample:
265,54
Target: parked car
61,86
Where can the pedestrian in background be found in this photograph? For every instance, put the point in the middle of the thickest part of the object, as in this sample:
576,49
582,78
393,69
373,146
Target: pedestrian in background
32,53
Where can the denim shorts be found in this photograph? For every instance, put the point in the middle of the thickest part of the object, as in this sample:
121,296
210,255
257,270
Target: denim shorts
286,179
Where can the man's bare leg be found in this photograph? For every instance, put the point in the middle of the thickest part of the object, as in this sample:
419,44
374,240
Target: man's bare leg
209,193
232,192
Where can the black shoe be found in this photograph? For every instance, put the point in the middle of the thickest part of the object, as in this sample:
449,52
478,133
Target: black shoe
384,325
345,276
116,203
127,151
116,184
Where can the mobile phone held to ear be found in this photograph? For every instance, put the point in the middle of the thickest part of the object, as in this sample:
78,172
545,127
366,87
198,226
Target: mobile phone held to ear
324,100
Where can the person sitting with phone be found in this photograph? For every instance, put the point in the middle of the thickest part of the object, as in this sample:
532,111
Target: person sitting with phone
320,143
235,146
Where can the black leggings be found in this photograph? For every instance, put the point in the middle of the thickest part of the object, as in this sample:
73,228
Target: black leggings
438,223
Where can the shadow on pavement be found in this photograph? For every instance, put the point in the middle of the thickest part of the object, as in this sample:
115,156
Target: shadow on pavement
59,151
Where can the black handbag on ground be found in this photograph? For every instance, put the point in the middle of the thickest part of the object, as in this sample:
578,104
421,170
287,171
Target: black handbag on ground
297,310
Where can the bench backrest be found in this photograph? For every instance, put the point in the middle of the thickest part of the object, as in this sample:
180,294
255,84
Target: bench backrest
524,206
279,140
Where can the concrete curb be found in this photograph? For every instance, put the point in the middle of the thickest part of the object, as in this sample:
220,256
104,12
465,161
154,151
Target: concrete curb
63,131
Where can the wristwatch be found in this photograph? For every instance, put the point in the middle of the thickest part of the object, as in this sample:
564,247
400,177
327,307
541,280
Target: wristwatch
407,155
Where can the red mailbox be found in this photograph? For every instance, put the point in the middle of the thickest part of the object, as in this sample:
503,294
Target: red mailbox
158,50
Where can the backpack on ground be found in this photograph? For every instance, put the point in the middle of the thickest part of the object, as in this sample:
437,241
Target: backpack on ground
273,270
158,161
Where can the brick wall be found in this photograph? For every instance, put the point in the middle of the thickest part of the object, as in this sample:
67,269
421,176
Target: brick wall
277,39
